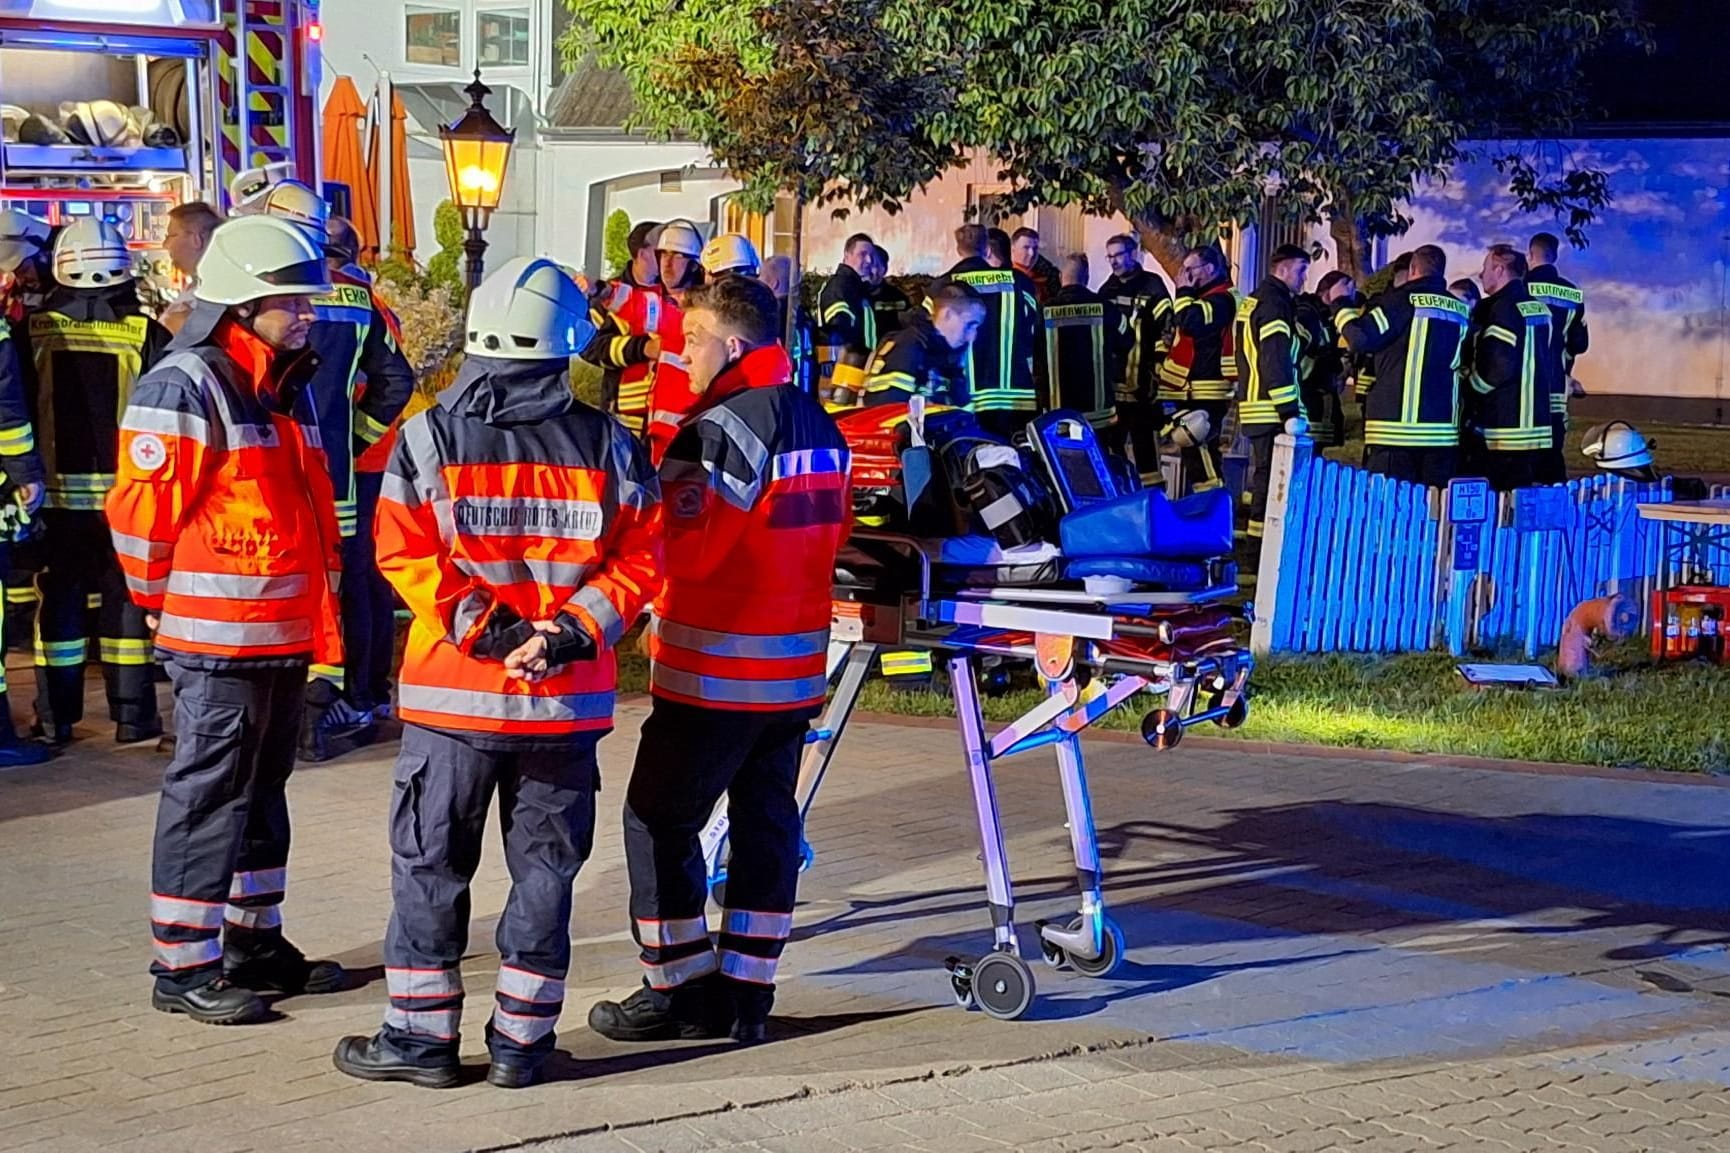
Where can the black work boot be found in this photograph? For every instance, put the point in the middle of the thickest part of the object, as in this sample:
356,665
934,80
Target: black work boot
217,1002
751,1004
127,733
54,736
370,1059
698,1010
512,1074
281,968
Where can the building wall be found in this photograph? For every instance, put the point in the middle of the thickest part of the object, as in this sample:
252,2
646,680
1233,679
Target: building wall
581,180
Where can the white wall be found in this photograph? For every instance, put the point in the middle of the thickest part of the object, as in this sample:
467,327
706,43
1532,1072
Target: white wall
576,192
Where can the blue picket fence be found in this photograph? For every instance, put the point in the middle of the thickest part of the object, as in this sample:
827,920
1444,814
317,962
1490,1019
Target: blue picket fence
1356,562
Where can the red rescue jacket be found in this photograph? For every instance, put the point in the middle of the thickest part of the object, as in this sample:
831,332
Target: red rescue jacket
757,505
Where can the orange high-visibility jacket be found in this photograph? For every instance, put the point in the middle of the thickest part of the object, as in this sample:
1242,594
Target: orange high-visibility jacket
757,505
221,509
509,502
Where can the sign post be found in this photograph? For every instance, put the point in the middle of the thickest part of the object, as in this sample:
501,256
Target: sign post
1469,506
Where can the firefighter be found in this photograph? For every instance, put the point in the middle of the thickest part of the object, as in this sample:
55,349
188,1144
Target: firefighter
1412,414
189,229
679,247
360,388
362,384
1143,298
23,275
847,324
1466,289
1399,272
1087,341
925,357
1321,365
1512,379
730,252
89,343
1200,372
224,522
889,304
1568,338
519,525
1005,367
1266,338
1024,255
797,328
757,499
623,335
22,466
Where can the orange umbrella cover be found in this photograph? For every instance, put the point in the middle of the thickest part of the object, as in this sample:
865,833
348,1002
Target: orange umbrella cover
344,164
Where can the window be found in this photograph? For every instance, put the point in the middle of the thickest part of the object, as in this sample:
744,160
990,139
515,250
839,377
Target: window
434,36
502,37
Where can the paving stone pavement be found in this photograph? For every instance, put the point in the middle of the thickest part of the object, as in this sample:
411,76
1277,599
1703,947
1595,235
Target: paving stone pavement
1325,953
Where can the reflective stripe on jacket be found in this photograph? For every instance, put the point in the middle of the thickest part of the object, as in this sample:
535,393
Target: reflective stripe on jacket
1416,333
757,505
1266,339
18,455
86,362
1086,342
510,502
632,314
1512,371
1005,365
670,395
221,510
1202,363
362,384
1144,299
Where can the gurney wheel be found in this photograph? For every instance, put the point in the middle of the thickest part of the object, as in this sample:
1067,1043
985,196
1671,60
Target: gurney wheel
1003,985
1236,715
1111,951
1162,728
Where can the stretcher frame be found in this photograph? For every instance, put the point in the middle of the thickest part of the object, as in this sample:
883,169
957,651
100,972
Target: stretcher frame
1066,627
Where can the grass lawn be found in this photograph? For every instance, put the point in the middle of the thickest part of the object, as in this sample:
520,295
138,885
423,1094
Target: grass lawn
1675,717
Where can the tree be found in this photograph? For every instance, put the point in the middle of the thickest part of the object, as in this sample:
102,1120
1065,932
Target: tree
445,269
1181,114
616,241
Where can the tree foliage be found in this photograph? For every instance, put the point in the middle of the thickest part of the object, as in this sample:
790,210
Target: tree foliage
616,241
1182,114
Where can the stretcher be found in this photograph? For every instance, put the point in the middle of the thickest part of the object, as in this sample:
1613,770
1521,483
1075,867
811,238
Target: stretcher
1096,645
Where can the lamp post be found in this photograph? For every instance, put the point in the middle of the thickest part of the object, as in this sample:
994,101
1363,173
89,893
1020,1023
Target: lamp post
477,148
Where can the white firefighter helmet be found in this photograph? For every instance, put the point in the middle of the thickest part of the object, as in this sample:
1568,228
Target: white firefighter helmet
730,252
1188,428
102,123
21,237
246,191
1621,448
91,253
258,256
298,204
680,236
528,310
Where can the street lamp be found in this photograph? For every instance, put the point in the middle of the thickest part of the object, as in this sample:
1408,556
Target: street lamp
477,149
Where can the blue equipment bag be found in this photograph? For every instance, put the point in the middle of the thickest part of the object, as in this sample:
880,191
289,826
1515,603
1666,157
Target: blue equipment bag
1149,524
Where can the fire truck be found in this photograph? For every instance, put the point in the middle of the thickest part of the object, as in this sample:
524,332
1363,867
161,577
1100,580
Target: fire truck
126,108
